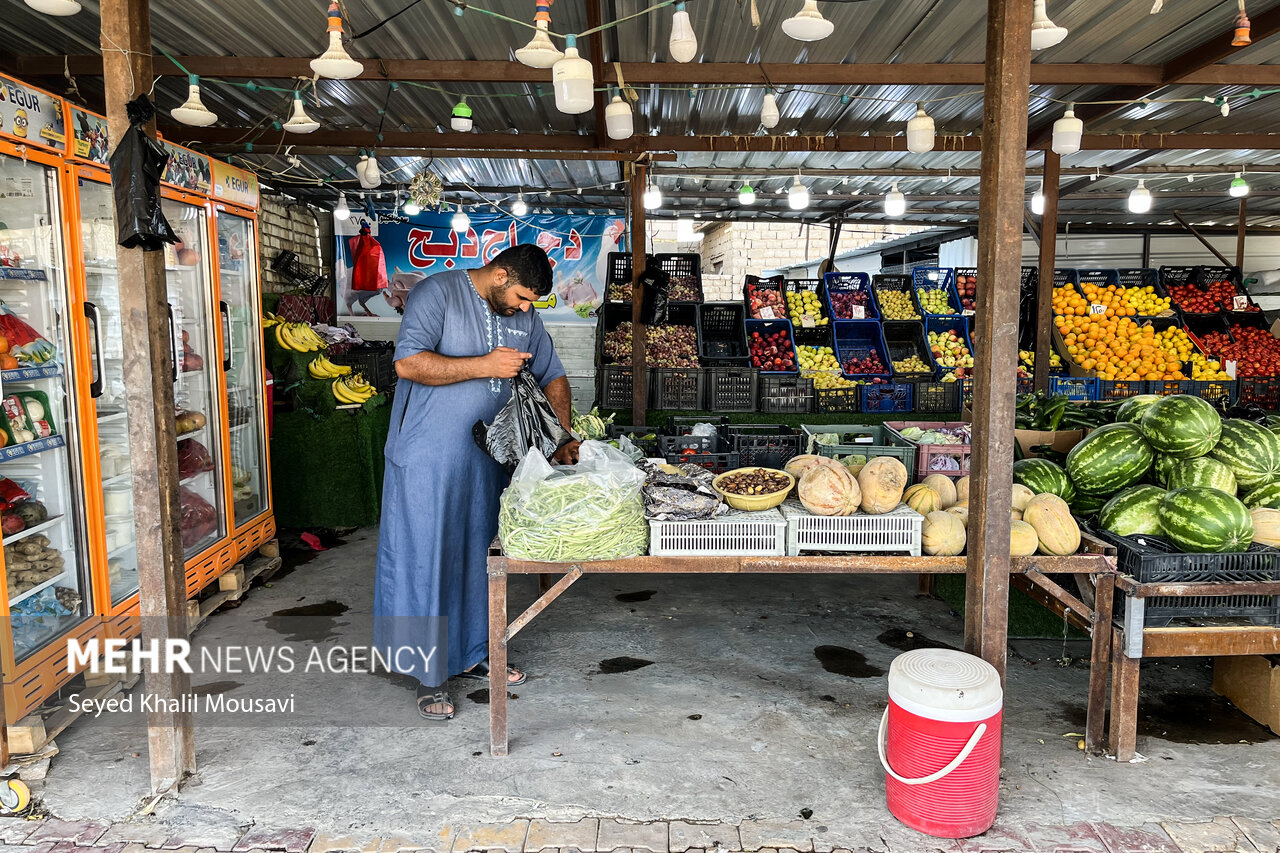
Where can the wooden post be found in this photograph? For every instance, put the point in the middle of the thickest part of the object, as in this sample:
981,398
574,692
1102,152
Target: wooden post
1146,249
1182,220
596,55
639,389
1048,257
148,383
1004,134
1240,233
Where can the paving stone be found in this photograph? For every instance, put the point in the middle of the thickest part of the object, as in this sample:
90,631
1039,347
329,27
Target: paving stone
142,834
14,830
897,838
1073,838
998,838
579,834
784,834
642,836
323,843
1209,836
1264,834
222,838
288,840
1148,838
505,836
83,832
707,836
390,844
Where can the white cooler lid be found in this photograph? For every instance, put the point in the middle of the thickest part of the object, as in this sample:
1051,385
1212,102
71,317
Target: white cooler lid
944,684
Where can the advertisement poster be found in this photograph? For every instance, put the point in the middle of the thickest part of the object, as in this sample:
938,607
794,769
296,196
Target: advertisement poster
90,131
31,115
186,169
234,185
578,247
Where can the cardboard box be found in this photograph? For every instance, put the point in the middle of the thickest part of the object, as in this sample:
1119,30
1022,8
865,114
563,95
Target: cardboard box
1059,440
1252,683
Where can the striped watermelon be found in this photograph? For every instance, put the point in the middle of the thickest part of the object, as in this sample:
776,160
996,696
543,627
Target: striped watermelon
1041,476
1205,521
1252,452
1206,472
1161,466
1108,459
1133,511
1087,506
1132,410
1181,426
1268,495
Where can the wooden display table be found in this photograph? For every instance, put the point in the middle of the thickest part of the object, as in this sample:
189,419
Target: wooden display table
1097,564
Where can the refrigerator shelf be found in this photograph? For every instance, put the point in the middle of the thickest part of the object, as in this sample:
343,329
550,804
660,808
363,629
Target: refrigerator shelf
118,478
100,269
32,531
122,550
23,596
195,433
112,418
193,477
30,374
31,448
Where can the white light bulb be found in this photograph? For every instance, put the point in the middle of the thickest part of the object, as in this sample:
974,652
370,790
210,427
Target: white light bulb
1239,186
540,52
920,132
61,8
340,210
193,112
1044,32
683,43
573,81
685,232
1226,108
1140,198
411,207
746,195
808,24
1037,201
460,119
652,197
518,207
769,111
368,172
1067,132
798,195
335,63
618,119
895,203
300,122
460,221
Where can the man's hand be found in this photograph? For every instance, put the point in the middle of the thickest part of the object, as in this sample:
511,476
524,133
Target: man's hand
504,362
568,454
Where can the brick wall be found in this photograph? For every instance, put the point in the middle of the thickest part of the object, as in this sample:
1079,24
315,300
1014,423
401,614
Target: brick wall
285,224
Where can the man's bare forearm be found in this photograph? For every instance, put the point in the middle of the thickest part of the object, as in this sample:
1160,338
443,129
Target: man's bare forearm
560,396
429,368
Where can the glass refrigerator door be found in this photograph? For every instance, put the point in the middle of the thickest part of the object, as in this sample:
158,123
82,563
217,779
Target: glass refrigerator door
46,567
195,389
106,342
238,276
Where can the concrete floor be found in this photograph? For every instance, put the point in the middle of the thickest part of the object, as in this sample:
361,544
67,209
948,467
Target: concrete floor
734,711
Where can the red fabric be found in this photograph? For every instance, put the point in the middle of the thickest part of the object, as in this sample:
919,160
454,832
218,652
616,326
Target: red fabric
369,270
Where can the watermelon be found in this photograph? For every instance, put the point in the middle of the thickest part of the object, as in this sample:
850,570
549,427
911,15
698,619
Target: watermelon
1181,426
1160,469
1131,410
1205,521
1133,511
1206,472
1087,506
1267,495
1041,476
1252,452
1108,459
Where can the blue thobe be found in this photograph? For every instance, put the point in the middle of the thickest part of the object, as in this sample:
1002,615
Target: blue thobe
440,492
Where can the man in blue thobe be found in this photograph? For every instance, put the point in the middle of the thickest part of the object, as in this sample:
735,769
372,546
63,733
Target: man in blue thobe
465,334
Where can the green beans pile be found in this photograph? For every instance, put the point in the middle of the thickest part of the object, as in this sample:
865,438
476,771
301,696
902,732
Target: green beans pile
572,519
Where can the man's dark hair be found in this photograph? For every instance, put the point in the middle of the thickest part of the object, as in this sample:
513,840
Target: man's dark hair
526,265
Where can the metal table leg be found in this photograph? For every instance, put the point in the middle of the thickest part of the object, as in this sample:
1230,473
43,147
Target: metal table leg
1124,699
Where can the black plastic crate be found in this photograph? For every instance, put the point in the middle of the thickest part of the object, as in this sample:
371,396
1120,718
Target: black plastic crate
838,400
732,389
670,445
676,389
773,283
939,397
1151,559
897,284
716,463
1067,277
683,425
1142,277
722,335
1261,392
892,397
377,363
1168,387
1173,276
1098,277
1205,275
648,446
769,450
786,395
685,271
903,339
848,282
613,387
1215,390
614,314
1121,389
819,334
620,268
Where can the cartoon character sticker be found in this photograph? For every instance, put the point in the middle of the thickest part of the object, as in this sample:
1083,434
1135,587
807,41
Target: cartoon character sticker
20,123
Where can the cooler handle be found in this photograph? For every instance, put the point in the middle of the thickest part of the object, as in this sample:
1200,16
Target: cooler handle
935,776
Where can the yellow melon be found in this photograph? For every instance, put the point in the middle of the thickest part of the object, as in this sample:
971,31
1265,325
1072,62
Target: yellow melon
1021,495
962,488
1022,539
942,534
960,512
944,486
882,481
1266,526
1051,517
922,499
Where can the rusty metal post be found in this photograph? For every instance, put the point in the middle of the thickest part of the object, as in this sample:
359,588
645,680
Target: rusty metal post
639,389
1241,230
1048,257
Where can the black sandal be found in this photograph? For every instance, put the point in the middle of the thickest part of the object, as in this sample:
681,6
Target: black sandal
480,672
433,697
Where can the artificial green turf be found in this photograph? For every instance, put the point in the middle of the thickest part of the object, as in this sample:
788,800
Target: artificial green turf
1027,617
660,418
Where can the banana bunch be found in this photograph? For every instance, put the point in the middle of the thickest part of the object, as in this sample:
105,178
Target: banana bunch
322,368
352,389
270,319
298,337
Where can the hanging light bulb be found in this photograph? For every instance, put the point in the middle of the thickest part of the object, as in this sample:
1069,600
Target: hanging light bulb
368,172
1067,132
573,80
1037,201
460,222
1044,32
518,207
618,119
683,44
652,197
193,112
1239,186
1224,107
340,210
411,207
920,132
300,122
540,52
1241,37
61,8
798,195
769,110
461,118
335,63
808,24
895,203
685,232
1140,198
746,195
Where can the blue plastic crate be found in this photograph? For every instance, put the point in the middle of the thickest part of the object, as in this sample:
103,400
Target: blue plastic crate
893,397
936,278
769,327
948,323
1066,277
1142,277
1098,277
1079,388
849,281
1121,389
857,339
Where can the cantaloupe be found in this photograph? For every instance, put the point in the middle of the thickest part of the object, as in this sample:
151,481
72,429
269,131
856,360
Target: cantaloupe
829,490
1015,514
923,499
1266,526
942,534
1023,540
944,486
882,481
960,512
1021,495
1055,528
962,488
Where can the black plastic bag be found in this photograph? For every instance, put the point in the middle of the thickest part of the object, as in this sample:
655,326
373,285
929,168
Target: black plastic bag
137,165
655,284
527,422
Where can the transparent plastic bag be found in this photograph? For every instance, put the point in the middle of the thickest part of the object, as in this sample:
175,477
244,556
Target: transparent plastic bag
575,513
527,422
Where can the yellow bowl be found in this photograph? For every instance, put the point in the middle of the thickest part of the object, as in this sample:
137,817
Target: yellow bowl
754,503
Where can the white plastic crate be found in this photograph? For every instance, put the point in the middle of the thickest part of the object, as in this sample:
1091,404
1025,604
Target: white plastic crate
897,530
734,534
